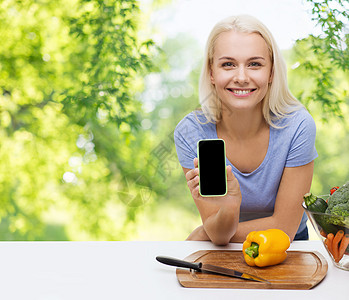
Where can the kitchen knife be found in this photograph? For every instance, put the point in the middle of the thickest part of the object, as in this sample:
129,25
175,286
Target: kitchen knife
200,267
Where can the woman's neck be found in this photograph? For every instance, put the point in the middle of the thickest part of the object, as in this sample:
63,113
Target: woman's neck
242,125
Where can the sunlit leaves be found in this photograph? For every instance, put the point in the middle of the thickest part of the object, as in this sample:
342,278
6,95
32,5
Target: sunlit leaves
69,71
110,57
333,16
326,56
319,77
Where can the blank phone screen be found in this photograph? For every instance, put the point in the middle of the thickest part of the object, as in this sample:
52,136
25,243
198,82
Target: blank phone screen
212,167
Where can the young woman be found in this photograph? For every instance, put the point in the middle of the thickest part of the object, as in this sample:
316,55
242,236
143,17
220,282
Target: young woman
269,136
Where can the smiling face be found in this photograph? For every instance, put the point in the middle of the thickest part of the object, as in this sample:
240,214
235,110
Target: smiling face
241,70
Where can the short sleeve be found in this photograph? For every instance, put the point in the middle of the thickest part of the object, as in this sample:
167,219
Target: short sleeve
302,148
188,132
184,138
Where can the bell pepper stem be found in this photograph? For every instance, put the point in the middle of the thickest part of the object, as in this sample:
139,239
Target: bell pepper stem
252,251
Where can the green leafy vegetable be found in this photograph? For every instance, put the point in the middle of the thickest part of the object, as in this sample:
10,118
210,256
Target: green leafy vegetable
338,204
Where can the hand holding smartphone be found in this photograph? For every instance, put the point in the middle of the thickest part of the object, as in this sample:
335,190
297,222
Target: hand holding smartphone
212,167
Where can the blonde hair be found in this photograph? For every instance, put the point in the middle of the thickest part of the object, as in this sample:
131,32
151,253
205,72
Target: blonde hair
278,101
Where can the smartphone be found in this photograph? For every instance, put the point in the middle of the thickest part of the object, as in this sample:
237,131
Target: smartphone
212,167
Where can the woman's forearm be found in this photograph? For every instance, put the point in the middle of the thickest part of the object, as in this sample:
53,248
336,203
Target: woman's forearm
239,236
221,226
244,228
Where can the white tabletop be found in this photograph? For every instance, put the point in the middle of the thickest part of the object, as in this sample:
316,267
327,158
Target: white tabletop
128,270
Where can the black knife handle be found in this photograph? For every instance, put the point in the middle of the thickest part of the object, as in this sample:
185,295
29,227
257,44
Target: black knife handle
179,263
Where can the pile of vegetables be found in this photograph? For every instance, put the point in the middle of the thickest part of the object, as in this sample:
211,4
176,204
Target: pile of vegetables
332,218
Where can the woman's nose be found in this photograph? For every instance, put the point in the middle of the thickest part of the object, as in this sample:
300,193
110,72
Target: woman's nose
240,75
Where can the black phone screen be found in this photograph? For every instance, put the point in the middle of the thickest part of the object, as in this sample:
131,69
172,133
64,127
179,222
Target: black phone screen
212,167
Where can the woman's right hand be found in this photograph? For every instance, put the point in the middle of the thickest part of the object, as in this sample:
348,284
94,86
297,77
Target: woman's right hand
220,215
233,196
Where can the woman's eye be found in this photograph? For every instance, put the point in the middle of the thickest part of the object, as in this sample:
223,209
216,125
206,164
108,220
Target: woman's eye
227,64
255,64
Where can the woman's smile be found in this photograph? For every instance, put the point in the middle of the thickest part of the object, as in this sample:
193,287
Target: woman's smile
241,92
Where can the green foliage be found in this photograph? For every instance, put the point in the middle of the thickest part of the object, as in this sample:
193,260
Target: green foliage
69,73
332,16
107,58
332,135
319,77
322,56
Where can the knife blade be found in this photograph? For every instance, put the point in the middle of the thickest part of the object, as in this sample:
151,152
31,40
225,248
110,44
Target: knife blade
200,267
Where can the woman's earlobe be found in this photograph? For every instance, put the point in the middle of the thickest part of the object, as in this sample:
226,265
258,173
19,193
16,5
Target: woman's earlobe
271,76
211,77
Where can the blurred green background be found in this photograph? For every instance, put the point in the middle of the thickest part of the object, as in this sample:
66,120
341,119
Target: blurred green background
90,93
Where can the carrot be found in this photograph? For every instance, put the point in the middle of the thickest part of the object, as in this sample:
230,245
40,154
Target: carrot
343,246
323,233
329,242
335,244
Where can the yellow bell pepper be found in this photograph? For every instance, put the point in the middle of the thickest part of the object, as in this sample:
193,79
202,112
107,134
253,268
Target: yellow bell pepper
265,248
